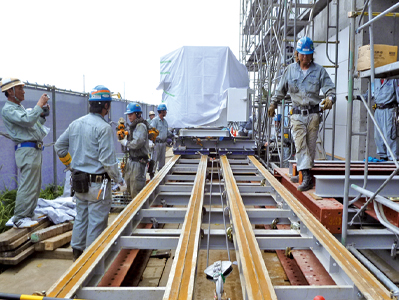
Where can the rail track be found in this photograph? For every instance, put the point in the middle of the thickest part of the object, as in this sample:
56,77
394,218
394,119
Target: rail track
197,193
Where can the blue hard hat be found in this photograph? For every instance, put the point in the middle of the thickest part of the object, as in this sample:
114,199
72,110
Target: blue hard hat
133,108
161,107
100,93
277,118
305,45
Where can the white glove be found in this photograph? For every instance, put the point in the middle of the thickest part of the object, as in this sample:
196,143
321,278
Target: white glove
120,187
123,141
151,144
245,130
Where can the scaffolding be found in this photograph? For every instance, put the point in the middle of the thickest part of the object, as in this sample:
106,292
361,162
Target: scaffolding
268,35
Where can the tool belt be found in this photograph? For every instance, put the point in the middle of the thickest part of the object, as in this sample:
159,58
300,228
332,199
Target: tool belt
143,159
33,144
80,181
389,105
305,110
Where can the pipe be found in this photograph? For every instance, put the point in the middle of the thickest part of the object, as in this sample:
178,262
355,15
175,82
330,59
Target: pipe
348,147
385,280
393,7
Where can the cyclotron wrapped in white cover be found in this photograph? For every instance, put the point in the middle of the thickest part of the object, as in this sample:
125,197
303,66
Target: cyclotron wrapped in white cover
196,82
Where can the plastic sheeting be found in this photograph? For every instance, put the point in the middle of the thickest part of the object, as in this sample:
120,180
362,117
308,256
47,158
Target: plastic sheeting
195,82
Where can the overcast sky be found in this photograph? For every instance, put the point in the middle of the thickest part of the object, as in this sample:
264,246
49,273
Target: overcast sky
115,43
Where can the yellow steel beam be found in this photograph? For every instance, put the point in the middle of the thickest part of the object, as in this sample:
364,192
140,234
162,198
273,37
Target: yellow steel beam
181,279
72,280
368,285
257,280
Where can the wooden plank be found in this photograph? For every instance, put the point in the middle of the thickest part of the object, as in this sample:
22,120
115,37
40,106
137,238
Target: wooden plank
15,233
25,237
17,259
51,231
57,241
16,251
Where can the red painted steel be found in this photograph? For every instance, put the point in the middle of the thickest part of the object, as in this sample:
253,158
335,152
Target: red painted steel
311,268
291,269
327,210
392,216
116,273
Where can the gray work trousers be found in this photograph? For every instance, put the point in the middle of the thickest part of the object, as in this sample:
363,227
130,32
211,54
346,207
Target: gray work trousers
91,215
385,120
29,162
159,155
134,177
305,130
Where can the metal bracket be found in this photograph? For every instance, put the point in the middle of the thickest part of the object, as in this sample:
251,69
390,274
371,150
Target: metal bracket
154,223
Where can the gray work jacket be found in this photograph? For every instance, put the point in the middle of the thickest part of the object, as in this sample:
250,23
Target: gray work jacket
89,140
22,125
304,89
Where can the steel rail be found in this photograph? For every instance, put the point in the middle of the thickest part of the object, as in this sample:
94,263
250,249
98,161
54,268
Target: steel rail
74,277
367,284
258,284
182,275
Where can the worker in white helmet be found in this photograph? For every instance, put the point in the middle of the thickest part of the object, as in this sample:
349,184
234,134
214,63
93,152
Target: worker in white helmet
94,164
151,116
26,130
303,80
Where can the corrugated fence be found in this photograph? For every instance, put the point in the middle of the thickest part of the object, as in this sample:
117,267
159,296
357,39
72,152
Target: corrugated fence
66,106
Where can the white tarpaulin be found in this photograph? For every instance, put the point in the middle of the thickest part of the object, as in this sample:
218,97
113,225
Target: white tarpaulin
194,81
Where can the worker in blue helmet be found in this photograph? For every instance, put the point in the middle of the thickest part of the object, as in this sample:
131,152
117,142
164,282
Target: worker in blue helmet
303,80
26,129
87,147
137,145
386,99
161,125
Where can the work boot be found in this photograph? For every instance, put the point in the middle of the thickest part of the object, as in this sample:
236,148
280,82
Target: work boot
76,253
306,181
295,179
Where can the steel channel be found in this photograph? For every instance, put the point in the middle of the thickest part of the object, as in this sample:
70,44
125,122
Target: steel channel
368,285
181,279
77,274
257,280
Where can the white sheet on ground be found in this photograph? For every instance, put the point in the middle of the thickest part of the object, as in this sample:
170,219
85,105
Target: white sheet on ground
194,81
58,211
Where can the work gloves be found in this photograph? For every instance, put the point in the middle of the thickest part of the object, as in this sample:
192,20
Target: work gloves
326,103
271,110
123,141
120,187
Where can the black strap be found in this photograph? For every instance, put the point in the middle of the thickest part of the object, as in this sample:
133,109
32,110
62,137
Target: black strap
389,105
306,110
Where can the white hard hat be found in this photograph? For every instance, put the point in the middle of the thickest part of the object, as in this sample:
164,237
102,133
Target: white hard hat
151,113
8,83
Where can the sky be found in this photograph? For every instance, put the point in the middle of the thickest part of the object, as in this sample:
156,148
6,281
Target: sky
76,45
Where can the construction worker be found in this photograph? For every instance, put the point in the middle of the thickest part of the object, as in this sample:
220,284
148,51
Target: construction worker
151,116
246,128
303,81
161,125
86,145
386,98
26,130
138,147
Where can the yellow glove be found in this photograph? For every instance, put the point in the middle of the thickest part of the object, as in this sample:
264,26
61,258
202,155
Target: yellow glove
326,103
271,110
66,160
